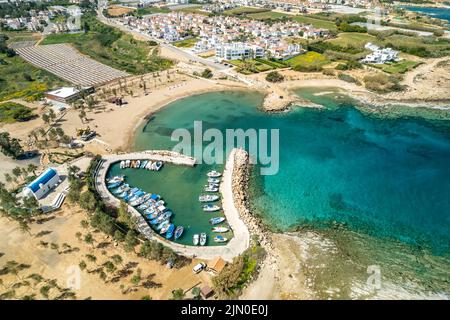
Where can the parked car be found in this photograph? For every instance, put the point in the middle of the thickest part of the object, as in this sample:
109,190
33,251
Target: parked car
199,267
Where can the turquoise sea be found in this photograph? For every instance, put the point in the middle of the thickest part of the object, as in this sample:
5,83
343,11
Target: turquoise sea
440,13
379,186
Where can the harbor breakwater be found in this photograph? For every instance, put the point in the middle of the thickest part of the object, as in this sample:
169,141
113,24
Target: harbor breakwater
240,181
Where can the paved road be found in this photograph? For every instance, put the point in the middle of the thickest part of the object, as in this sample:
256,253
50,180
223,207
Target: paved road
211,64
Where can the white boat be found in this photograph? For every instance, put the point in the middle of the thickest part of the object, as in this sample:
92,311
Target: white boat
127,163
213,180
211,189
122,164
213,174
216,220
211,207
220,229
203,238
115,179
212,185
149,165
220,239
208,198
158,165
138,164
195,239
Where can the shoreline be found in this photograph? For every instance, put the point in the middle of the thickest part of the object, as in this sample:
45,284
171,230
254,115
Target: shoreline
145,116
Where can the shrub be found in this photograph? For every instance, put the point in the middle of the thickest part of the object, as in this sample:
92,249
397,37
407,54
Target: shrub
382,83
207,73
274,76
348,78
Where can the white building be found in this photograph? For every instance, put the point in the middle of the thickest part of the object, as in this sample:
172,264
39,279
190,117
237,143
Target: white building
379,56
42,184
238,50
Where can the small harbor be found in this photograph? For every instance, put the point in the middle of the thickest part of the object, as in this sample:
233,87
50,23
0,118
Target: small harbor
187,215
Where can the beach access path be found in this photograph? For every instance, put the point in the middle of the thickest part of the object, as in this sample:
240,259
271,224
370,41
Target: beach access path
241,237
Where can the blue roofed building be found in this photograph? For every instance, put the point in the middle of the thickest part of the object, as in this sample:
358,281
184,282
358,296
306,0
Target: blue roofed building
43,184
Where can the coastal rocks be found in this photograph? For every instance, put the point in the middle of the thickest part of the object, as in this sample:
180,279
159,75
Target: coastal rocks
281,100
240,179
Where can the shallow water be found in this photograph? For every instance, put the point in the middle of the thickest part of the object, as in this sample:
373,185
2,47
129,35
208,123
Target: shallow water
388,179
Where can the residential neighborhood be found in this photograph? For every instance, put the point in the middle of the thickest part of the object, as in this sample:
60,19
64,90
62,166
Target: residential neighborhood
227,35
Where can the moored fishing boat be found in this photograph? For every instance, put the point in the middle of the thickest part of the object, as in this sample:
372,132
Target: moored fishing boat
208,198
162,225
122,188
220,229
170,230
138,164
115,179
211,189
127,163
143,164
178,232
165,227
213,180
220,239
211,207
114,184
216,220
158,165
195,239
213,174
203,238
122,164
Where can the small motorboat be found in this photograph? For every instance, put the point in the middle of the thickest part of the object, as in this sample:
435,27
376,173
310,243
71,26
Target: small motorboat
213,174
122,164
170,230
158,165
220,229
208,198
211,185
216,220
211,207
220,239
196,239
211,189
178,232
138,164
115,179
114,184
149,165
122,188
164,224
127,163
213,180
143,164
165,228
203,238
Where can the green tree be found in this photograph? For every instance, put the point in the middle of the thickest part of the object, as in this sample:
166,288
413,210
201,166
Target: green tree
130,240
178,294
196,293
274,76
